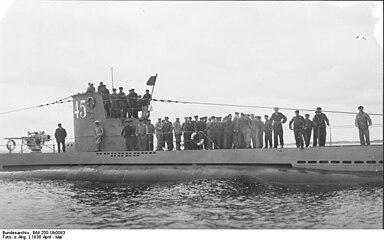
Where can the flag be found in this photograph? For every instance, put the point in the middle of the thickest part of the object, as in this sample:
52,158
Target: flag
152,80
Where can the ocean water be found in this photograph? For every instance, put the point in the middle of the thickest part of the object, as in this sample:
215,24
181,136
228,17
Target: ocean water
222,203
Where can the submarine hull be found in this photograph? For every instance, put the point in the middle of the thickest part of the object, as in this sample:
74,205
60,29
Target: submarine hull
322,165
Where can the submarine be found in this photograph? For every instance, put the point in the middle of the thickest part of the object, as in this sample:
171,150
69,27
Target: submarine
326,166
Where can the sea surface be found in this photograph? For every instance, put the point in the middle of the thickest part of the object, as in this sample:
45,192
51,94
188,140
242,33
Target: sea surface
224,203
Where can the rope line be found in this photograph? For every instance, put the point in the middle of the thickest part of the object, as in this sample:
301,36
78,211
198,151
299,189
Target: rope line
41,105
198,103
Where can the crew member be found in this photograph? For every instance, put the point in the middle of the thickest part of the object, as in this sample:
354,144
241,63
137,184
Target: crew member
91,88
99,135
178,132
245,129
236,131
319,121
168,134
150,132
308,125
268,132
60,135
254,132
129,134
106,99
141,133
123,104
362,122
132,104
201,125
277,125
187,128
159,135
228,131
298,127
260,131
100,87
145,102
115,109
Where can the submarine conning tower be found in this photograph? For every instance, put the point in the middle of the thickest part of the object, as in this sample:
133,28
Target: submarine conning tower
87,108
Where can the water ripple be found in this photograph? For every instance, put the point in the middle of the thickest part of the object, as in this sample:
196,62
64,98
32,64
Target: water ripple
214,203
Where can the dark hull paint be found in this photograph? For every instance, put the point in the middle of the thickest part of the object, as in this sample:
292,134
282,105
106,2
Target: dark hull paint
320,166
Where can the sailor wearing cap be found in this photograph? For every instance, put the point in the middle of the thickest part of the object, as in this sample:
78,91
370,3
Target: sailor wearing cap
298,127
141,133
168,133
319,130
236,131
91,88
177,130
308,125
60,135
133,104
362,122
159,135
145,101
99,135
129,134
115,108
277,124
268,132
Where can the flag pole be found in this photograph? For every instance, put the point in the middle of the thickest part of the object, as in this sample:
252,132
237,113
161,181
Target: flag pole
153,88
112,76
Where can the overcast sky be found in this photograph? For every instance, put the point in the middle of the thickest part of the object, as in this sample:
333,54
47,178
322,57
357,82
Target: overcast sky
287,54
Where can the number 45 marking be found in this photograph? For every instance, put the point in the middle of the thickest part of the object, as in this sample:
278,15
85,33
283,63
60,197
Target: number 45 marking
80,109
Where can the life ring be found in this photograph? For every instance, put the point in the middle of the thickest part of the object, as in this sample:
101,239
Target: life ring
11,145
91,102
199,143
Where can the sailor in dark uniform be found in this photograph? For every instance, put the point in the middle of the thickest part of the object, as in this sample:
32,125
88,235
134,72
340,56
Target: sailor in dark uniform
319,121
228,131
91,88
308,125
260,130
132,104
298,127
129,134
150,132
60,135
115,109
123,104
277,124
145,101
267,132
168,133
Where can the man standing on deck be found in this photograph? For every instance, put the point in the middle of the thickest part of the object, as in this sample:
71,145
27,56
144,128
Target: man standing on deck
308,125
159,135
123,104
254,132
245,129
268,132
277,124
168,133
260,131
141,133
178,132
99,135
91,88
187,128
145,104
60,135
319,121
132,104
236,131
228,132
129,134
115,109
150,132
362,122
298,126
